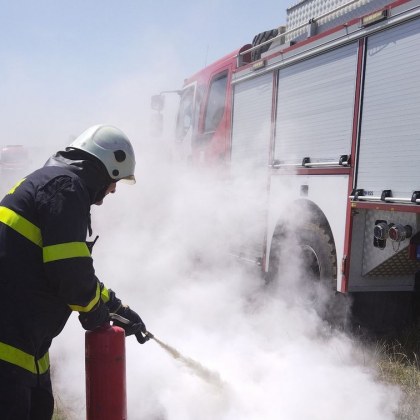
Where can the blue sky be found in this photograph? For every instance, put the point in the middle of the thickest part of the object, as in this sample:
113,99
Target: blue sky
65,65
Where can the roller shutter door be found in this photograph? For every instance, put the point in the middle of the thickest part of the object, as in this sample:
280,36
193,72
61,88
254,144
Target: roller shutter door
251,123
315,107
390,132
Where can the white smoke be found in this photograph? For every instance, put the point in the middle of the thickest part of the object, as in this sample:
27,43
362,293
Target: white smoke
165,247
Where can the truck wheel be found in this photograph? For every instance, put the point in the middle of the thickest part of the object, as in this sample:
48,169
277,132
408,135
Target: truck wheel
314,244
259,39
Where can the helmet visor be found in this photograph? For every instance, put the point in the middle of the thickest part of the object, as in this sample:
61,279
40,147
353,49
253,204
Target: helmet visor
130,179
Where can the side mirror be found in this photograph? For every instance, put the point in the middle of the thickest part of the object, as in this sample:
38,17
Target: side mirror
158,102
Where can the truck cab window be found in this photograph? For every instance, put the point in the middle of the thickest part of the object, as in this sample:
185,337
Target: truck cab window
215,103
185,113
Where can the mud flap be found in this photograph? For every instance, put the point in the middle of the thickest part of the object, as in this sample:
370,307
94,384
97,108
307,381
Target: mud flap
384,312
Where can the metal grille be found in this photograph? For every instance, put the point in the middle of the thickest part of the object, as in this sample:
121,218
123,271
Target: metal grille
398,265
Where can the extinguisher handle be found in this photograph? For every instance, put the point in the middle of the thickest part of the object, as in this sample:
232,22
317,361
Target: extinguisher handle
120,318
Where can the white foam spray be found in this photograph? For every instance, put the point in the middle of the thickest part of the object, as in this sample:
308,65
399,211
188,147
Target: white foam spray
197,368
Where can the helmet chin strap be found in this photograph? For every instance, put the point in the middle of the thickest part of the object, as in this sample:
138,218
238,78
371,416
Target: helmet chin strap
100,195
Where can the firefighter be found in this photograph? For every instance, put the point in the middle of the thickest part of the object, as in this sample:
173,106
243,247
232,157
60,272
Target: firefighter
46,268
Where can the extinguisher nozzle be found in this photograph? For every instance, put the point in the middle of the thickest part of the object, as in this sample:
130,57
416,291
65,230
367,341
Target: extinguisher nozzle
149,335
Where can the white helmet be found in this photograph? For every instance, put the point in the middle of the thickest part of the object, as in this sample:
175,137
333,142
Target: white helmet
112,147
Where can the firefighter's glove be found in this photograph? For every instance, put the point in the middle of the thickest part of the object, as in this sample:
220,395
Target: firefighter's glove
136,325
94,318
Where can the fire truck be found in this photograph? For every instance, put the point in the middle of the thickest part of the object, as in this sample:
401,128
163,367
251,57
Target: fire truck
328,108
14,159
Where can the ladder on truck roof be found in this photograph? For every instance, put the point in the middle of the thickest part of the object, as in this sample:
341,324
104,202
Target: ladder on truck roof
311,17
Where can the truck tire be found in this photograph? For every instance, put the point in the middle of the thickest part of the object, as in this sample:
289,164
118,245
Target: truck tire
315,244
259,39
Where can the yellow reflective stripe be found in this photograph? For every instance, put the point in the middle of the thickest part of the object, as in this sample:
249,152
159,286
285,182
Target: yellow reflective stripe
44,363
13,189
21,225
24,360
105,294
66,250
90,305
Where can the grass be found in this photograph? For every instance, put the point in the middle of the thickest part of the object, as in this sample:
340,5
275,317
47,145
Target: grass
398,363
62,410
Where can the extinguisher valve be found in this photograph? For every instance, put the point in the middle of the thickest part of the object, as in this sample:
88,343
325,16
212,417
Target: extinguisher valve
147,335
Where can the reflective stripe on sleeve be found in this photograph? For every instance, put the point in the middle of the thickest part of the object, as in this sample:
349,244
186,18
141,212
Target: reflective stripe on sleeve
24,360
21,225
66,250
13,189
105,294
90,305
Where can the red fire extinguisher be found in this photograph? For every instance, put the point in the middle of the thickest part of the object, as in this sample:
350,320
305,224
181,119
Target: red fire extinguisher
105,374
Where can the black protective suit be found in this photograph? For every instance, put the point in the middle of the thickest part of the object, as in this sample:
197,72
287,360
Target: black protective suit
46,271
